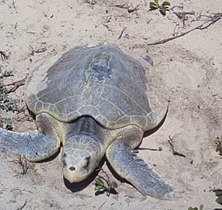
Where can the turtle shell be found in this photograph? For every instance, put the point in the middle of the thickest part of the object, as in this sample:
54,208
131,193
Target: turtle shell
99,81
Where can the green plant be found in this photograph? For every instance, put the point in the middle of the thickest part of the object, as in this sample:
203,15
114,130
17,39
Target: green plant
5,74
105,185
219,196
6,123
195,208
163,8
219,145
6,103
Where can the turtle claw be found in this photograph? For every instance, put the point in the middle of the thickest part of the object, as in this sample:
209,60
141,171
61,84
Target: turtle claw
137,172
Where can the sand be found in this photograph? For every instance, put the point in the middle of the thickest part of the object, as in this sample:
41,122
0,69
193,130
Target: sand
186,71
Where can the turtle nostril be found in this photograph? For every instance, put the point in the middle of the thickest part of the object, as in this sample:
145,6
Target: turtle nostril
72,168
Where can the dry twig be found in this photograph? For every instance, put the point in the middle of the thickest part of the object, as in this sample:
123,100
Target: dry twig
20,208
40,50
183,16
16,85
170,141
126,6
3,56
213,19
151,149
121,34
102,205
107,27
23,163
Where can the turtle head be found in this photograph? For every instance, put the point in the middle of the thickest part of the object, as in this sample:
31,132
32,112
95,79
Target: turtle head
81,155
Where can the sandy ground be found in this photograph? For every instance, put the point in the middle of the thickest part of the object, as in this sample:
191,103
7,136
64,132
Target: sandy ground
186,71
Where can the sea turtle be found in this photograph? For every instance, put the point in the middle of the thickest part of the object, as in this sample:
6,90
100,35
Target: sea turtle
93,101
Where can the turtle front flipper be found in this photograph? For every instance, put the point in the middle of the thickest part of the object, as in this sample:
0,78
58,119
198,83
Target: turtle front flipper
133,169
33,146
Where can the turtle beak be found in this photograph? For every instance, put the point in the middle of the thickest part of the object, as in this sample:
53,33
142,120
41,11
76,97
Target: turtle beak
75,172
73,175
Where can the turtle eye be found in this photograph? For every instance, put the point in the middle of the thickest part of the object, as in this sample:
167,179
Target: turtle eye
64,163
87,162
63,160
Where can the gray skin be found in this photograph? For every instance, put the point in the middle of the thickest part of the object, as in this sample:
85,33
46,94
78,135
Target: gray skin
93,102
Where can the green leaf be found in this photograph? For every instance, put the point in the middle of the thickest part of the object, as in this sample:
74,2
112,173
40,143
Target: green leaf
113,185
99,188
218,192
219,200
195,208
99,182
166,4
165,8
201,207
153,6
163,11
157,2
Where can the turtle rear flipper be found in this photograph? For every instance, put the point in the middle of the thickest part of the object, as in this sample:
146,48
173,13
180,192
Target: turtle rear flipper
137,172
33,146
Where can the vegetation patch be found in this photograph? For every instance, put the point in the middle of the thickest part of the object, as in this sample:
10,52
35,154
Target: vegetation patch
103,184
6,103
196,208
